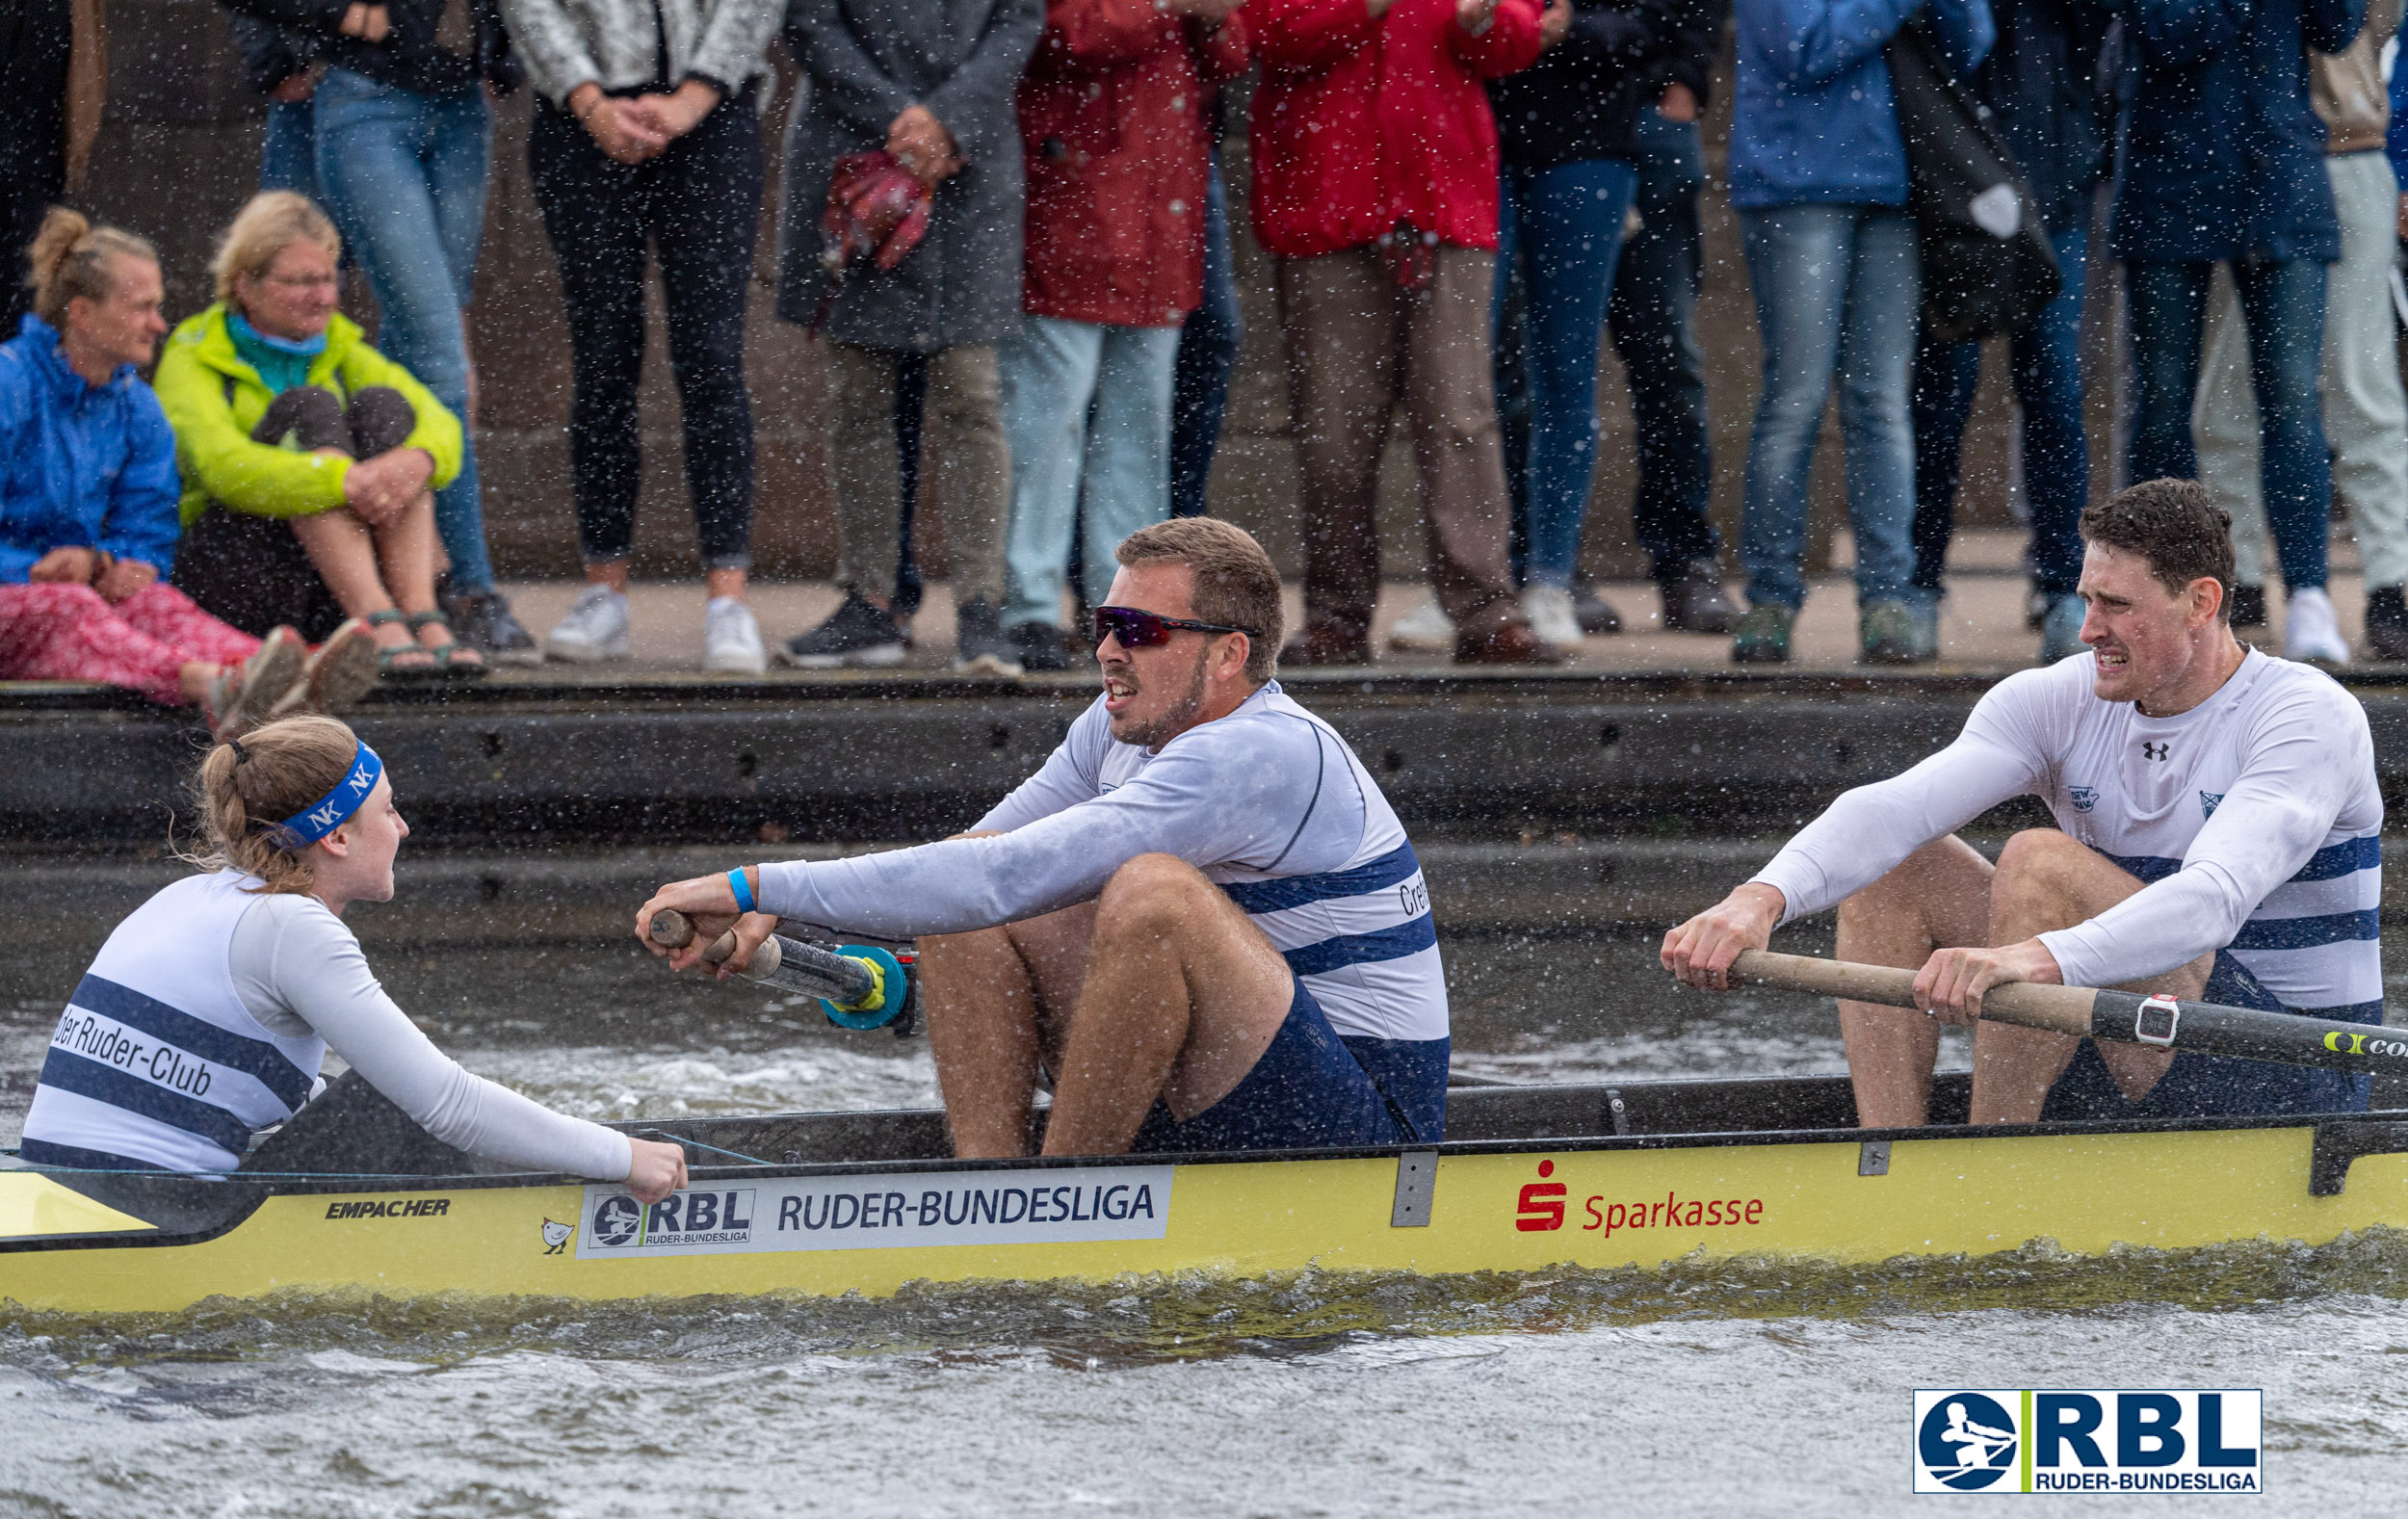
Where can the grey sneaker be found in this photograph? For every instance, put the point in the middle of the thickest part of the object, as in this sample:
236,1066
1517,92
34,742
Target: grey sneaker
2061,630
1041,648
981,647
484,621
1695,600
858,635
1763,636
594,630
1892,633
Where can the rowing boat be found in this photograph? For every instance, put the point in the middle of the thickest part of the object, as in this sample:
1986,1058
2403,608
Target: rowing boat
1637,1173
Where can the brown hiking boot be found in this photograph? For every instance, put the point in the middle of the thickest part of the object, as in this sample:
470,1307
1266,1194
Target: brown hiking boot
1510,643
1325,643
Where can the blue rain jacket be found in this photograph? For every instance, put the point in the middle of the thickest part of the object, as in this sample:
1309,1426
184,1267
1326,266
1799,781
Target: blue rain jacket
1813,120
81,466
2223,157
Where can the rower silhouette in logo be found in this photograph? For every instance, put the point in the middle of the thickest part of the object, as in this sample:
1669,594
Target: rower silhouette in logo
1967,1441
616,1221
556,1236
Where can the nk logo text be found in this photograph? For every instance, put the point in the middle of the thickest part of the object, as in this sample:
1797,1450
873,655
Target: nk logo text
2088,1440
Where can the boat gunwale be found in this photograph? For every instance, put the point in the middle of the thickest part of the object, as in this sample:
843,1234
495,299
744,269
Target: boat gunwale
338,1184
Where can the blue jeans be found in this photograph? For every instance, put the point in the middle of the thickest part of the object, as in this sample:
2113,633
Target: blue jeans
1560,228
1086,408
1652,317
2281,306
1837,292
288,149
403,176
2047,362
1208,354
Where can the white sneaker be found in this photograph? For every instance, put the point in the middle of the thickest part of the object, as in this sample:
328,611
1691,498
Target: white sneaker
731,640
594,630
2311,633
1430,628
1551,615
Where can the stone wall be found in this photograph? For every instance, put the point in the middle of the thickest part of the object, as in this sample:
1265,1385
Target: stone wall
178,153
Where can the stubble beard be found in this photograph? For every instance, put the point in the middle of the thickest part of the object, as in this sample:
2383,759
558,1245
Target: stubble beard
1160,730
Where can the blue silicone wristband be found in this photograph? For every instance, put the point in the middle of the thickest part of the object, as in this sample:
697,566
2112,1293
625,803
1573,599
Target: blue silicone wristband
743,890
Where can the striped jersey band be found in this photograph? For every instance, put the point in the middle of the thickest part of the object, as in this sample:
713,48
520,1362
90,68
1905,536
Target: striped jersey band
2316,940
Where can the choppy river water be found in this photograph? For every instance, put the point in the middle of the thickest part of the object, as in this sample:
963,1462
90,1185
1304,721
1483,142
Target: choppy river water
1732,1389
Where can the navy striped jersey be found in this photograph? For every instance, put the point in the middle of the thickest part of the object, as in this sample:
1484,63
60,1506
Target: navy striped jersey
2254,817
156,1060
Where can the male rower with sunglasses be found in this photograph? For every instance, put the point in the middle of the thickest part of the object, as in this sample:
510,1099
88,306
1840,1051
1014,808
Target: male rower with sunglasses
1200,918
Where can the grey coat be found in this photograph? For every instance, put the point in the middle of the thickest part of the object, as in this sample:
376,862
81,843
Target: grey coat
864,62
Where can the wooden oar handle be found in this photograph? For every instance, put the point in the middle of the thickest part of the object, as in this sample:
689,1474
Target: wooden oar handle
672,930
2059,1009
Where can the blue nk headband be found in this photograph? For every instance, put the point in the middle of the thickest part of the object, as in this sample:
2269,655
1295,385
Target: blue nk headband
330,811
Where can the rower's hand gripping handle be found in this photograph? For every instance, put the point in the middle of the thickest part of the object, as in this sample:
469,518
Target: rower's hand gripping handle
859,987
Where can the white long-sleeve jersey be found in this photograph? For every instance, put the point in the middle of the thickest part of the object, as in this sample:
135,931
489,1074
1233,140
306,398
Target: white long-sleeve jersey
2254,817
1268,801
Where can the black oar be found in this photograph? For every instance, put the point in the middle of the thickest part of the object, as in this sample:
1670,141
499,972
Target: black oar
2207,1028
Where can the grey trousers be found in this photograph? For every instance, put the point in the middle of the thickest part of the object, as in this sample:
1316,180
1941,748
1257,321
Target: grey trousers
1357,345
2366,417
964,429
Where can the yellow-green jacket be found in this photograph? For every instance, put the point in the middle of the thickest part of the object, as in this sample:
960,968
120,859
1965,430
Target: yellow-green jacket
214,400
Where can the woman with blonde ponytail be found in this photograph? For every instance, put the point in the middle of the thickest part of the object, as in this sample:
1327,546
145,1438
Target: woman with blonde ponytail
206,1015
88,506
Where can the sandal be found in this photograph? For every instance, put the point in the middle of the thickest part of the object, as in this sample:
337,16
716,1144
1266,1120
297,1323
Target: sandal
453,660
389,661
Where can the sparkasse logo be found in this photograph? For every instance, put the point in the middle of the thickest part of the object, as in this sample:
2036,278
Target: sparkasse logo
2088,1440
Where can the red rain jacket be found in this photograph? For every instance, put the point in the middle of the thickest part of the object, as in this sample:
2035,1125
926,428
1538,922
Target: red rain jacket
1361,123
1115,115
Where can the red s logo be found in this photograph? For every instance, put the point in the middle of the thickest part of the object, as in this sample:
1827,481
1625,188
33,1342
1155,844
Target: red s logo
1541,1205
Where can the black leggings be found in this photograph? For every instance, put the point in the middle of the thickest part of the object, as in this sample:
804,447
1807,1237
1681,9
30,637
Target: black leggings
699,205
250,572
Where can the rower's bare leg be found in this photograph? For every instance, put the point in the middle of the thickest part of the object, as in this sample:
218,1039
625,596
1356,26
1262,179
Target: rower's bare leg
997,1001
1182,995
2048,881
1936,898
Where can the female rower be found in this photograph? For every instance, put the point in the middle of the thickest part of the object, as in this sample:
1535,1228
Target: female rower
207,1014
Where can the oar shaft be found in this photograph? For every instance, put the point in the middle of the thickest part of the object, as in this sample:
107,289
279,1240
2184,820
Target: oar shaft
2058,1010
2204,1028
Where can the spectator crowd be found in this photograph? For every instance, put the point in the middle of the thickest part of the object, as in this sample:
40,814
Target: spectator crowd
1005,223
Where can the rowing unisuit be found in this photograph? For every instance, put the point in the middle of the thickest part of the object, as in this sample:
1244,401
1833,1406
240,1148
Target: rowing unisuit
2255,819
204,1019
1269,802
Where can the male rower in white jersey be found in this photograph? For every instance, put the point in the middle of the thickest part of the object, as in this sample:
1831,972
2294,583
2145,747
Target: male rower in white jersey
2219,838
1200,916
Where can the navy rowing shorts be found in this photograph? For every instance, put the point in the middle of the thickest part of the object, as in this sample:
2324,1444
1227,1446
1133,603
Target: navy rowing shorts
2212,1085
1308,1090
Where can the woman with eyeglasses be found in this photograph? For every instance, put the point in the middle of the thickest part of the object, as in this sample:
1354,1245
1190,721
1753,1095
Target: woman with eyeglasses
309,460
207,1014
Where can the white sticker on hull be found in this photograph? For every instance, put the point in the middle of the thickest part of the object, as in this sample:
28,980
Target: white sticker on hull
881,1213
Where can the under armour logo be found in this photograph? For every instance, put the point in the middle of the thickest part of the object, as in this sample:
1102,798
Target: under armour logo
2155,752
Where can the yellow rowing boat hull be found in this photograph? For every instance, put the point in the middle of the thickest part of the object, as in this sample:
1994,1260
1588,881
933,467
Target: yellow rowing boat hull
1490,1211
